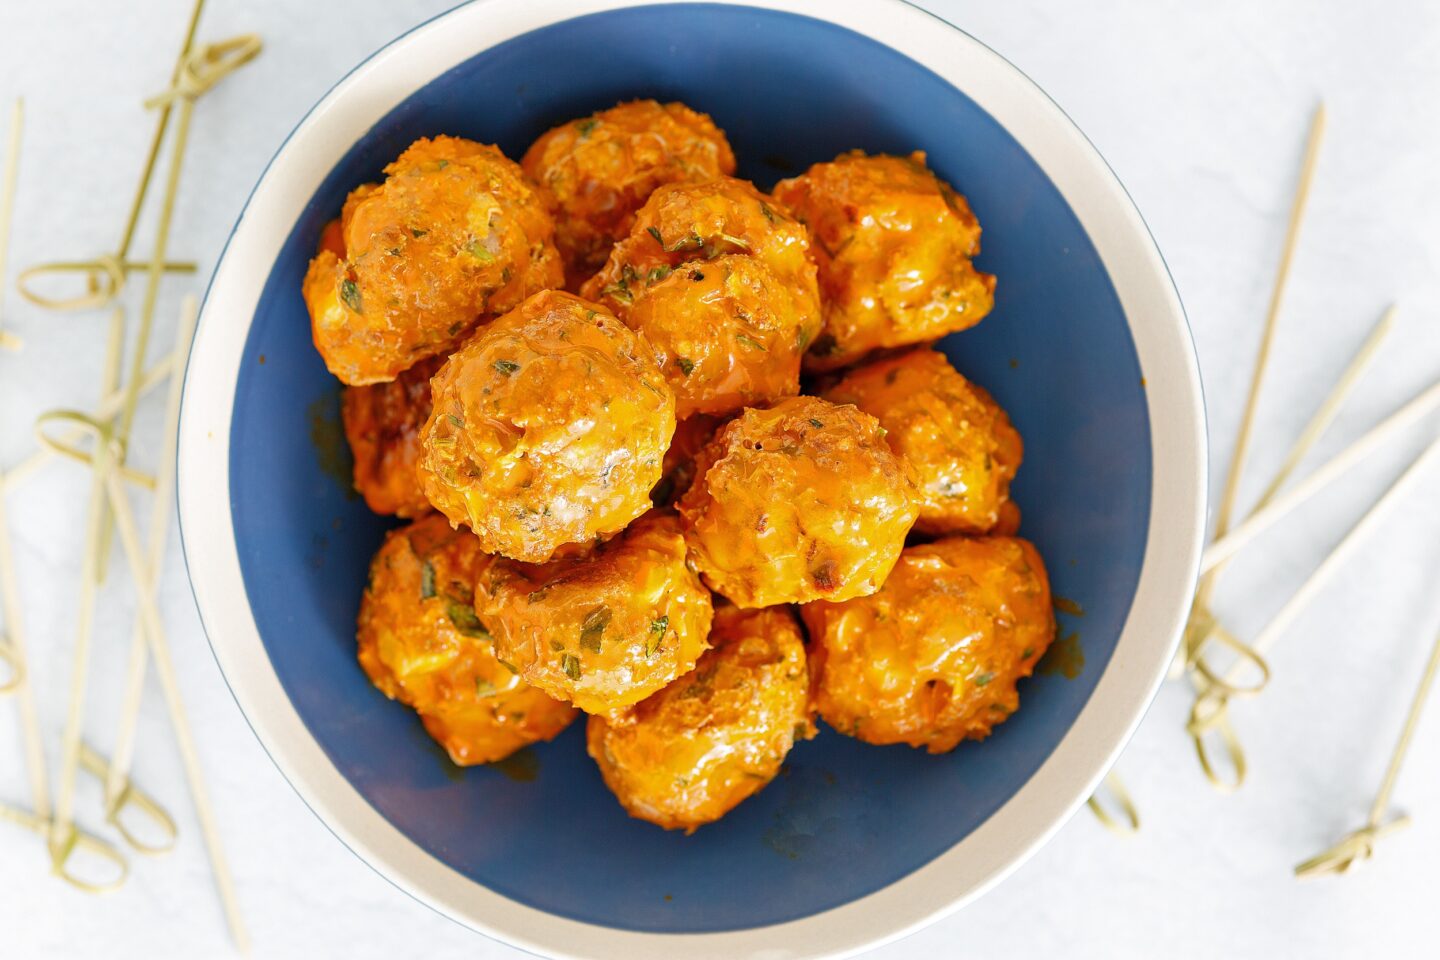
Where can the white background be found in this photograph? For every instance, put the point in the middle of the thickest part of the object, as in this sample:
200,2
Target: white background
1201,109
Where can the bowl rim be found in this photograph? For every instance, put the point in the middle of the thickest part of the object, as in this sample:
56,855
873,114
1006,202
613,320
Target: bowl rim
1086,752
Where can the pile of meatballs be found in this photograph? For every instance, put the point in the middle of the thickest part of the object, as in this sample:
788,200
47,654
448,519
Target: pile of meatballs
675,453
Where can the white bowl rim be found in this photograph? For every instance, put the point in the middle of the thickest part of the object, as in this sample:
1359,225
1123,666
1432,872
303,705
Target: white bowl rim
989,854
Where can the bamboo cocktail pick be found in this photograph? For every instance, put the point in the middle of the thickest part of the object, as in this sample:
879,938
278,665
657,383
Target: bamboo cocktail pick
1360,845
1204,593
1210,712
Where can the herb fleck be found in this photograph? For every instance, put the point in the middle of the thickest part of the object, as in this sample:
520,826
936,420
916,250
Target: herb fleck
817,424
417,234
594,628
984,679
350,293
765,209
427,580
462,615
505,367
751,342
686,365
478,252
655,232
585,126
571,665
455,421
484,688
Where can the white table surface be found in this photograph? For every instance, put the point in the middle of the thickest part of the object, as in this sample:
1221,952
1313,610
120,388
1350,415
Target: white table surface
1201,109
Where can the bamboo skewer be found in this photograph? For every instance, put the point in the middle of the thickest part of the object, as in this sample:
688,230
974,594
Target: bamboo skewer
1209,713
1226,547
1203,626
1360,844
62,827
22,471
170,686
124,751
1241,451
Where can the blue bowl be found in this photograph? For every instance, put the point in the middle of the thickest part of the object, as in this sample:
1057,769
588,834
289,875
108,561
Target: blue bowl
536,850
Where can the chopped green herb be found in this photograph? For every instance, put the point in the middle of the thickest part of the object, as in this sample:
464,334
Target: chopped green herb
802,338
740,242
427,580
585,126
455,421
655,232
417,234
478,252
571,665
507,665
984,679
817,424
535,596
556,645
620,291
696,275
1028,653
462,615
393,251
685,364
751,342
765,209
594,628
658,274
443,164
505,367
350,293
657,634
484,688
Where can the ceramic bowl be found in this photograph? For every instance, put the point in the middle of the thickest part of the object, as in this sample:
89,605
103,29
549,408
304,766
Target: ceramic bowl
854,845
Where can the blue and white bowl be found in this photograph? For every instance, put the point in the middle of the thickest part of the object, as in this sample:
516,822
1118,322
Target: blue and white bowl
855,845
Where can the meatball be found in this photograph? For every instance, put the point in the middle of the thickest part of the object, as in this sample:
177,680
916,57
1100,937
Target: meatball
932,659
422,644
720,280
548,428
803,501
382,423
605,630
728,333
963,448
691,435
600,170
893,243
689,754
454,235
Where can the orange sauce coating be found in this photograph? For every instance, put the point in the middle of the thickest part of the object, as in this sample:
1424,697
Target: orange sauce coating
893,243
600,169
548,428
933,658
421,643
690,753
952,432
455,234
604,630
802,501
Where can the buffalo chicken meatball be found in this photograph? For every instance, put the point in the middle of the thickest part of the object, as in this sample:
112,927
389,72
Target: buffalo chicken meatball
382,423
454,235
893,243
720,280
602,168
959,441
802,501
687,755
422,644
933,658
548,428
604,630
